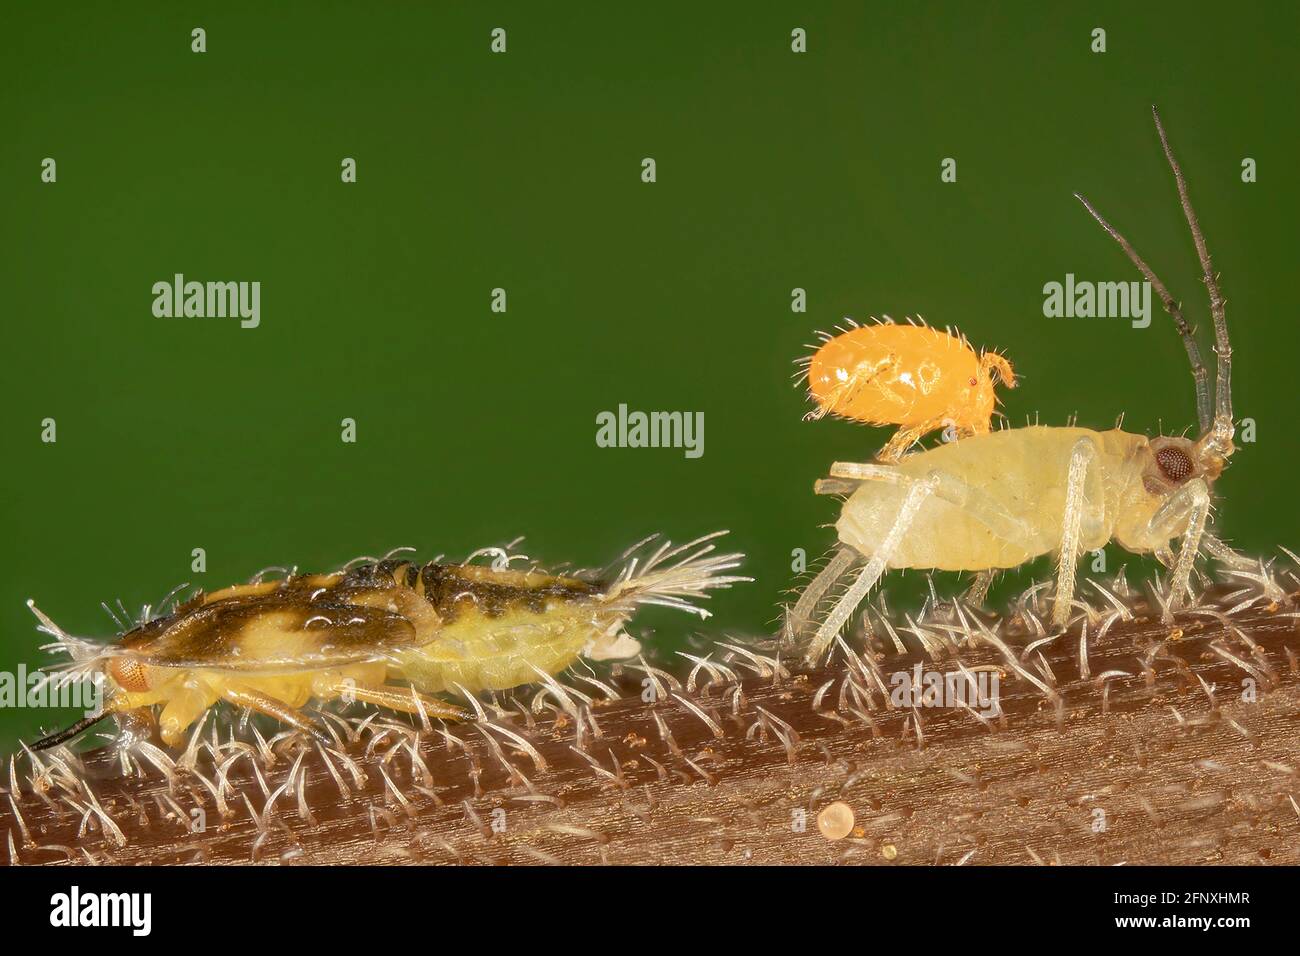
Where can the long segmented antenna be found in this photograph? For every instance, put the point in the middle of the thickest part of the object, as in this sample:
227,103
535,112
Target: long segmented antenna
1215,423
63,736
1222,348
1199,372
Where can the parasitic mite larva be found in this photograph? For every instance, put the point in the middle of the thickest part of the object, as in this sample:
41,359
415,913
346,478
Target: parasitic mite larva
389,632
1000,499
914,376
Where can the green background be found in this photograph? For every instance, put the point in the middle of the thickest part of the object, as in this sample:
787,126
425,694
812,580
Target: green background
522,170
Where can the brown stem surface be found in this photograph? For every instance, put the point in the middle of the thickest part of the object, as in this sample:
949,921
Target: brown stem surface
1166,745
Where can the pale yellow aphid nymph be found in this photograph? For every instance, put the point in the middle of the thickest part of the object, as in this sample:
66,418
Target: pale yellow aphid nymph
388,633
999,499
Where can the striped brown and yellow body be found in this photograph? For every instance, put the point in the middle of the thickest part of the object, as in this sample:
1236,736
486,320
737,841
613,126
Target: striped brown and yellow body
387,633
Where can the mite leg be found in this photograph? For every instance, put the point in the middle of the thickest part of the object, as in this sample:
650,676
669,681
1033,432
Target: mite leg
1191,502
861,377
802,612
993,362
253,700
1081,456
401,699
920,490
905,438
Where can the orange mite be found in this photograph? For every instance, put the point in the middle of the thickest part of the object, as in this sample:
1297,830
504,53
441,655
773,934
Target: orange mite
914,376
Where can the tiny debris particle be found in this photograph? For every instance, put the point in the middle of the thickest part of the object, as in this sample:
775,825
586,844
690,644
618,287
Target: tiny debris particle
836,820
889,851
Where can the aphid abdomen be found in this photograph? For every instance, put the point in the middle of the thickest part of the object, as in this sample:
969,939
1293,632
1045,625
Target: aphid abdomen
497,628
499,653
1021,473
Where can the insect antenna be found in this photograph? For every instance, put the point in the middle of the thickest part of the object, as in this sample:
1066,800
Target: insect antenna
1199,372
1222,348
63,736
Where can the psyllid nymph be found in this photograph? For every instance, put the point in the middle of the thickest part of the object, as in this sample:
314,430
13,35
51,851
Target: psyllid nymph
387,632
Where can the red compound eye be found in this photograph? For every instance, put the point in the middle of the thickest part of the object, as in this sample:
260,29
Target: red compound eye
129,674
1175,464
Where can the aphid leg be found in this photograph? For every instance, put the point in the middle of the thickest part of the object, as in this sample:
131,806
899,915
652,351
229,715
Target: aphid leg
977,503
245,697
979,589
802,613
835,486
403,699
905,438
182,708
1076,495
1225,554
920,490
1191,503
